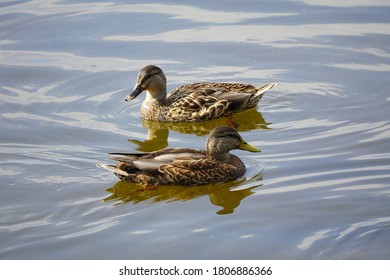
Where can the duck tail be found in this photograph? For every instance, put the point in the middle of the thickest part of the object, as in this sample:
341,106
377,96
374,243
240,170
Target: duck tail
113,168
264,88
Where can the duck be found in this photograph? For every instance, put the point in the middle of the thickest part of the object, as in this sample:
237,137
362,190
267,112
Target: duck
194,102
185,166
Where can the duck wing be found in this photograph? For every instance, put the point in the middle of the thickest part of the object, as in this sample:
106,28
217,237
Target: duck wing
203,101
207,104
196,172
150,162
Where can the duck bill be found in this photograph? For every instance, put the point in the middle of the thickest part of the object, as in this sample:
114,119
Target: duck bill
136,91
248,147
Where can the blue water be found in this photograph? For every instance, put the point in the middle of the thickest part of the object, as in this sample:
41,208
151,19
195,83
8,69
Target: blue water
319,189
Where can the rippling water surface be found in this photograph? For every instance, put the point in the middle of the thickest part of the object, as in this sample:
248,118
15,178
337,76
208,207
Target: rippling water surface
319,189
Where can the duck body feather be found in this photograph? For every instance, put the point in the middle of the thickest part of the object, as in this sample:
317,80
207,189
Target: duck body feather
175,166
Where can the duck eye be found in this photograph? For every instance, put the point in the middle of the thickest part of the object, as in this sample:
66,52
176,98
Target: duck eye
231,136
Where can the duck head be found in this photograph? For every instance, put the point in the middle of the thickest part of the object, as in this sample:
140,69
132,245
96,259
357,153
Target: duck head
223,139
151,79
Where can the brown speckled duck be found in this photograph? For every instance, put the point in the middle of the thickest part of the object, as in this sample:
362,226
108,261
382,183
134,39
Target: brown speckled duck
192,102
184,166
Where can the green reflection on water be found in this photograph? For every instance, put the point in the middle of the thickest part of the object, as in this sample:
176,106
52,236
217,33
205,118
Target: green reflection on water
158,131
227,195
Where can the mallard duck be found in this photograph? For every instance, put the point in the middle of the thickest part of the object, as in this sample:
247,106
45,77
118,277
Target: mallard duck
192,102
184,166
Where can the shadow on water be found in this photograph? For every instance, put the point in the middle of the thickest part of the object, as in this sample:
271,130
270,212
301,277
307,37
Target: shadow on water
158,132
228,195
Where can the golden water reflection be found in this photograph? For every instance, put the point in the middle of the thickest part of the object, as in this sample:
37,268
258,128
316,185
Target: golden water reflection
158,132
228,195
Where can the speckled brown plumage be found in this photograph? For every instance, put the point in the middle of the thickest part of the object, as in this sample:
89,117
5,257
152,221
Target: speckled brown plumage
183,166
192,102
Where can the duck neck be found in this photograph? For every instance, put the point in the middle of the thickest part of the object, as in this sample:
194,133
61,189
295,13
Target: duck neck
156,95
219,156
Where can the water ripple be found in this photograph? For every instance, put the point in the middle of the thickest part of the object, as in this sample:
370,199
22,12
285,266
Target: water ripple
347,238
276,36
70,61
180,12
355,3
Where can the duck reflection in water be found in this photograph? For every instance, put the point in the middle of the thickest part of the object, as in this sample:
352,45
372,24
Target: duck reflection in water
158,132
228,195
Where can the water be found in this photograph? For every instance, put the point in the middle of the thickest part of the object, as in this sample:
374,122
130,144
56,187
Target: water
324,130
